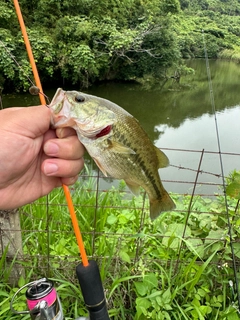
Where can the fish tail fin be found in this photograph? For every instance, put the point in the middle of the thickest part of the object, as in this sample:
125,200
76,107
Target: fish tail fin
165,203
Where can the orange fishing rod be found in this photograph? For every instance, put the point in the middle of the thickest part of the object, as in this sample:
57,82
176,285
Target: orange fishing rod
43,101
87,272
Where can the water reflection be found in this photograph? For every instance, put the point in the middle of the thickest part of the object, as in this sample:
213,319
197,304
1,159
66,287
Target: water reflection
180,116
200,134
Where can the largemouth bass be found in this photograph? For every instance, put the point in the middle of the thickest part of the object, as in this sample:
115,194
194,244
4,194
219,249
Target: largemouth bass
116,142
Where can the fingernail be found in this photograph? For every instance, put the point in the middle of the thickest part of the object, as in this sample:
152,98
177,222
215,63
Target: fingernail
51,148
50,168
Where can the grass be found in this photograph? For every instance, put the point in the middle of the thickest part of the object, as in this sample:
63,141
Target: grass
172,268
231,54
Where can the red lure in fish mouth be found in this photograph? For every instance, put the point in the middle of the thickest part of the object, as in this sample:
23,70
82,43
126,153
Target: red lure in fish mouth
104,131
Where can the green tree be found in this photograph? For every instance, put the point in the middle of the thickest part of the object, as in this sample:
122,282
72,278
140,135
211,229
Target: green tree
89,40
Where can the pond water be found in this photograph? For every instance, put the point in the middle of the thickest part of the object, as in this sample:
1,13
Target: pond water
179,120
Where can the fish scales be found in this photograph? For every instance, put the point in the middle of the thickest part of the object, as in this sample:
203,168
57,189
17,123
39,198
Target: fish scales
122,131
116,142
138,158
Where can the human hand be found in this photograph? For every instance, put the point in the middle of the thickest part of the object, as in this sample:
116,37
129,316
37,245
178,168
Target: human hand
33,160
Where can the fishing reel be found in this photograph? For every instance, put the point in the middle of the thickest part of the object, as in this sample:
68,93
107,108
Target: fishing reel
44,304
42,301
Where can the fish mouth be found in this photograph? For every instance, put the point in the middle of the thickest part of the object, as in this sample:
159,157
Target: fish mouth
60,116
61,122
57,101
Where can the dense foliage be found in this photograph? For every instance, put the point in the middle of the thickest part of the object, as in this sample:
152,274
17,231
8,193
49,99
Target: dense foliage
179,267
82,41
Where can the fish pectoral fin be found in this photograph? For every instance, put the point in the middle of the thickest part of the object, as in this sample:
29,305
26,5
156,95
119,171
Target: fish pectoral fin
119,148
135,188
100,167
163,160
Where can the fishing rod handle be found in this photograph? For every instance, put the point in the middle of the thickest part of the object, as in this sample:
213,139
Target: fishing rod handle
92,290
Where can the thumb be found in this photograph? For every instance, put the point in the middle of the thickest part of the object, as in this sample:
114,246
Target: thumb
29,121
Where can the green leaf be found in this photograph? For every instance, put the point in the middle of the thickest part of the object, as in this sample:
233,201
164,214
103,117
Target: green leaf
21,282
236,247
4,293
195,246
205,310
143,303
233,316
233,188
215,235
174,233
201,292
166,297
111,219
141,288
124,256
150,281
142,306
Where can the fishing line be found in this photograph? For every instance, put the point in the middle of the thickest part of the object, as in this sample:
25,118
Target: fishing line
34,90
19,66
222,170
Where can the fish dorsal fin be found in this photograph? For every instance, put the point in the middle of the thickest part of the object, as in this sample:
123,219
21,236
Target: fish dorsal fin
119,148
163,160
135,188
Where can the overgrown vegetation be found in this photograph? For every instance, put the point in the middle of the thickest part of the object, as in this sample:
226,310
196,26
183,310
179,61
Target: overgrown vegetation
178,267
79,42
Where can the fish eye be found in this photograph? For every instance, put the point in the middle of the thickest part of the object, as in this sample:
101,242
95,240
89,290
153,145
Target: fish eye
79,98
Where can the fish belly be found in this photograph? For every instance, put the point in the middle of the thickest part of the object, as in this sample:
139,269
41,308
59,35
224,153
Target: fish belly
136,173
